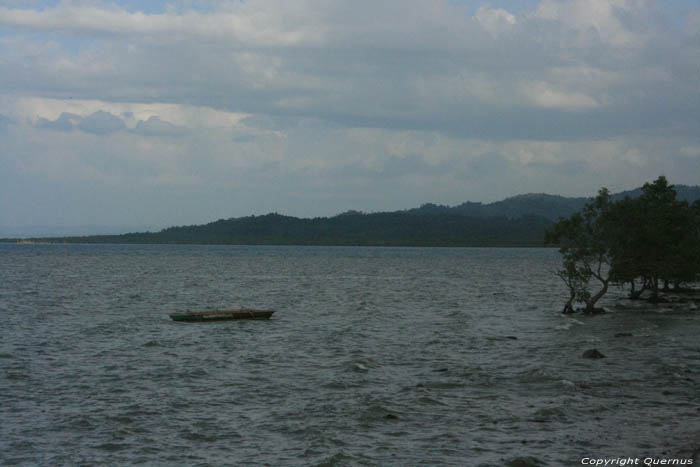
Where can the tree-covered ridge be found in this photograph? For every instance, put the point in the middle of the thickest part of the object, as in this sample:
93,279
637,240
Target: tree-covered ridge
649,242
552,207
517,221
379,229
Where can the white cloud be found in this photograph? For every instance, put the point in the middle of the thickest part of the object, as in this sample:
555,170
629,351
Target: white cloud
245,25
545,95
49,109
366,105
594,20
494,20
393,64
154,126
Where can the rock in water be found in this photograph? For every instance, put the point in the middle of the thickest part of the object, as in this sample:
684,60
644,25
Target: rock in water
592,353
524,461
624,334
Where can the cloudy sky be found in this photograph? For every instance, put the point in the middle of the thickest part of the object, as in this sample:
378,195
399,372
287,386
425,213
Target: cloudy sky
158,113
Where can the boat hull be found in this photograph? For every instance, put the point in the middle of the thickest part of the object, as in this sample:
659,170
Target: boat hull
221,315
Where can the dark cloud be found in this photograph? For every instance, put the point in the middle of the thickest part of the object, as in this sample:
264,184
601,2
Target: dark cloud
561,70
283,122
242,136
272,123
101,123
408,165
4,122
65,122
368,105
490,165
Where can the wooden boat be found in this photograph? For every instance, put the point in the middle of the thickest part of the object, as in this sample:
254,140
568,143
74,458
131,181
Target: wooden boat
222,315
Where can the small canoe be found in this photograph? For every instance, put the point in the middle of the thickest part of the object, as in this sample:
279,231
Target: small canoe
222,315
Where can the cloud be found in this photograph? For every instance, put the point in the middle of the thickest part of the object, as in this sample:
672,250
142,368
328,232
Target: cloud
154,126
65,122
318,106
494,20
487,72
544,95
410,164
4,121
596,20
248,25
101,123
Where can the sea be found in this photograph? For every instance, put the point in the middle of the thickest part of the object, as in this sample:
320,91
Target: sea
375,356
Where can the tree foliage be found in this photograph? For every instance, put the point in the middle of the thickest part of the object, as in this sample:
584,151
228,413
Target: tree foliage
648,242
399,228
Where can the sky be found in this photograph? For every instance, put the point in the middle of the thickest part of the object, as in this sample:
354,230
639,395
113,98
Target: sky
159,113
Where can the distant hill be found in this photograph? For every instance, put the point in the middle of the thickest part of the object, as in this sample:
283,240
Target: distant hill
64,231
548,206
551,207
683,192
517,221
378,229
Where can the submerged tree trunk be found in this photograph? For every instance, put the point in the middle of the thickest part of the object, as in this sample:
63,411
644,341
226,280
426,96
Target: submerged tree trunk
569,306
654,290
590,303
634,293
570,282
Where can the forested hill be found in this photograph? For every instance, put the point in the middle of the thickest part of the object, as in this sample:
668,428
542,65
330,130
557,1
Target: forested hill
516,221
551,207
378,229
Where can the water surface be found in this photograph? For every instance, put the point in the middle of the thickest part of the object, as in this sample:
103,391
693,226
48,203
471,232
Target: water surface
376,356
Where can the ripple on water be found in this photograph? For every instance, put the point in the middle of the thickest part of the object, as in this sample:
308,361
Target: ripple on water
375,357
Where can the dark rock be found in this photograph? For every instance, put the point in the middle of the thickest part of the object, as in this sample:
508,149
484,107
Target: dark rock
624,334
592,353
525,461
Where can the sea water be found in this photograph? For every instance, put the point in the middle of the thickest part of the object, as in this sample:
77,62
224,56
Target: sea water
375,356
